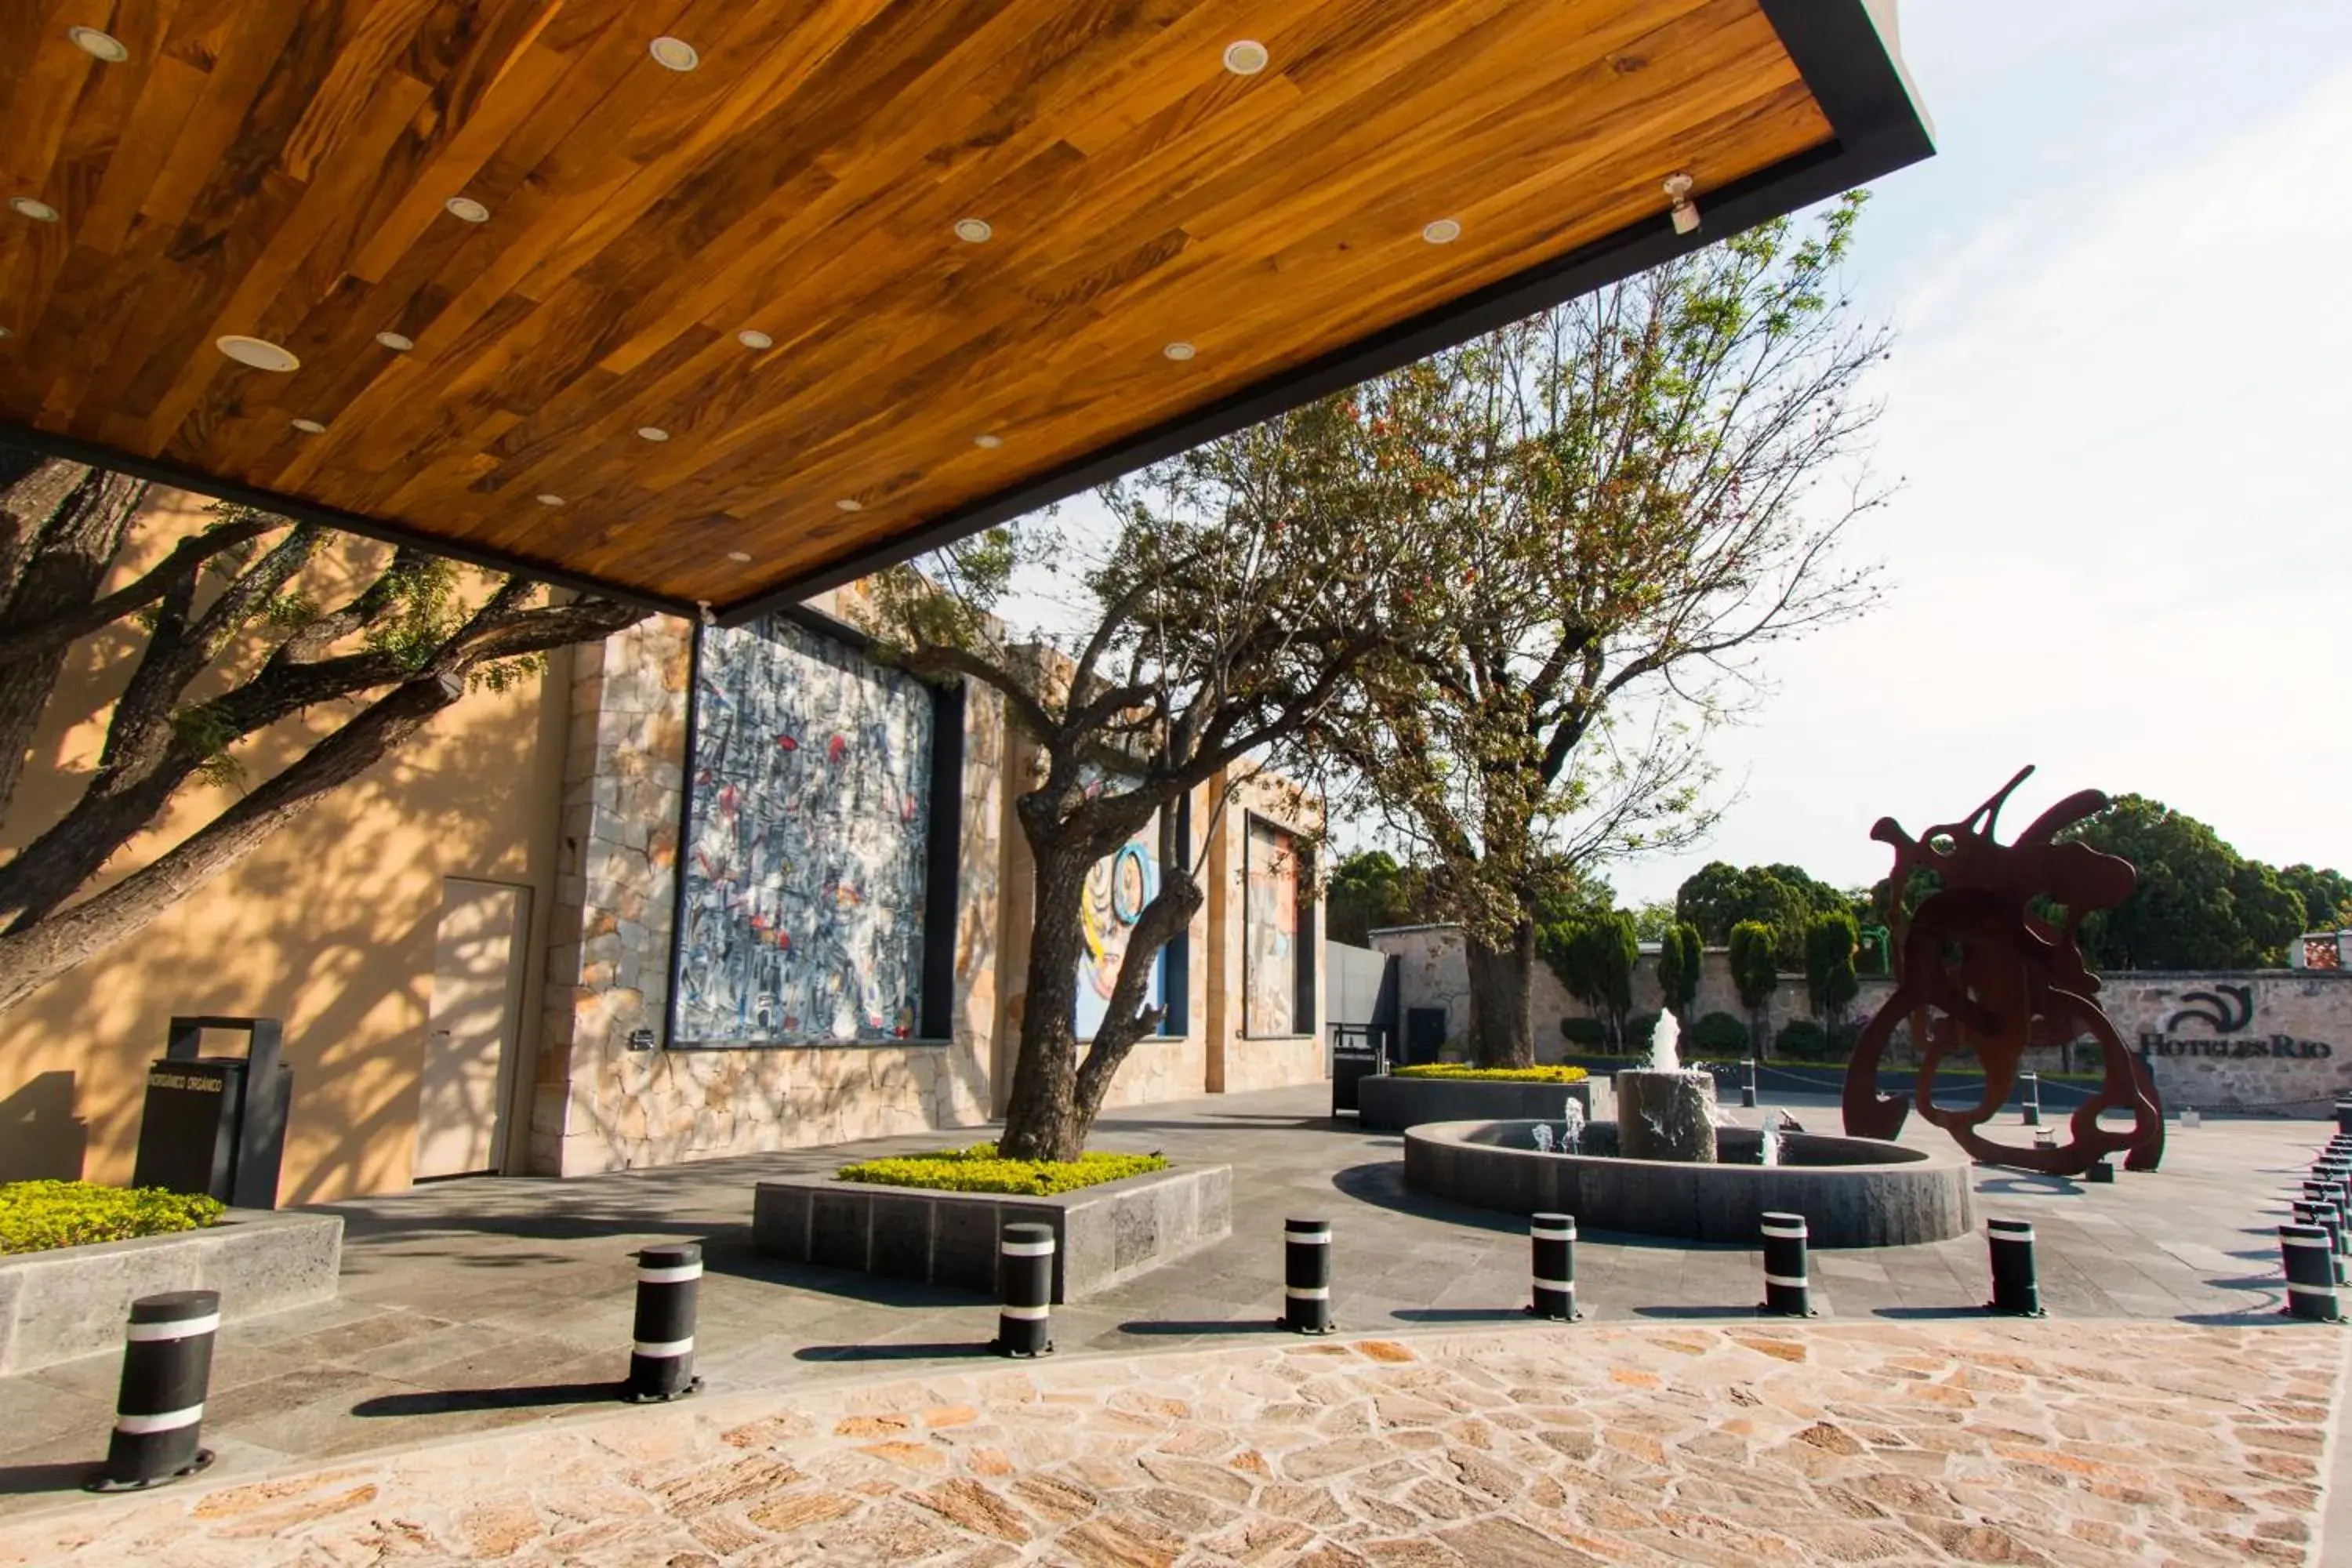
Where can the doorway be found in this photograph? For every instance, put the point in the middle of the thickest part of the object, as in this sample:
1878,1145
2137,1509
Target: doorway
470,1027
1424,1035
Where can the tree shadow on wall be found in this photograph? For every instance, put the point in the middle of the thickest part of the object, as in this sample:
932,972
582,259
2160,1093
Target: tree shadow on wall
41,1139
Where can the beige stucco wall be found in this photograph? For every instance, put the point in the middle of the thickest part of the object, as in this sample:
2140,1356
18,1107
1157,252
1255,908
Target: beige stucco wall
1239,1062
330,925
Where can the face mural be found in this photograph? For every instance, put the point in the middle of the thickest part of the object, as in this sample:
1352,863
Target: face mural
801,915
1116,889
1270,933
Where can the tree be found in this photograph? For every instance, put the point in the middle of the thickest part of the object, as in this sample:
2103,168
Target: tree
1680,955
1367,891
215,640
2197,902
1627,502
2326,895
1831,941
1594,957
1242,584
1653,921
1720,896
1756,973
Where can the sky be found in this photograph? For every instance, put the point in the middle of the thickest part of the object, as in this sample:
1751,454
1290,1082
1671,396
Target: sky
2117,412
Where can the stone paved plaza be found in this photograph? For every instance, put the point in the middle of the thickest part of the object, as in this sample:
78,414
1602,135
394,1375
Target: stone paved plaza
482,1324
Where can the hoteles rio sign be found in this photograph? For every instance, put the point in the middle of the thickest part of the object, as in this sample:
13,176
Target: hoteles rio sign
2224,1010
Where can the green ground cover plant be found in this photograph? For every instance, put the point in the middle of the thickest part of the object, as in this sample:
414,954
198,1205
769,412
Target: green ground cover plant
979,1170
36,1216
1463,1071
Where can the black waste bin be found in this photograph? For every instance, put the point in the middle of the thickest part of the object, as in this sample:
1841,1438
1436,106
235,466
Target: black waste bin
1355,1055
216,1125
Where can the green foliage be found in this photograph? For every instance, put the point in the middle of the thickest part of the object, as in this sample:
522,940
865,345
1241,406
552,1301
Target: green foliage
1653,921
1720,896
1639,1029
2196,904
1829,981
1802,1040
206,732
1754,962
1595,958
1368,890
2326,895
978,1170
1584,1034
1680,953
1464,1072
1717,1036
38,1215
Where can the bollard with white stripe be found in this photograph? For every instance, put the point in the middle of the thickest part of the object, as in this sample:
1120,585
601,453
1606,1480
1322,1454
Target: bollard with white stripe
1554,1239
2310,1276
1025,1290
167,1368
661,1354
2328,1218
2029,1095
1306,1276
1748,1084
1787,1291
2016,1283
2344,1116
2336,1180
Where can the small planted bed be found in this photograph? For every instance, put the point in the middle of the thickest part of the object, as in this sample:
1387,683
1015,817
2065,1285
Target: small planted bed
1462,1072
37,1217
1456,1091
978,1170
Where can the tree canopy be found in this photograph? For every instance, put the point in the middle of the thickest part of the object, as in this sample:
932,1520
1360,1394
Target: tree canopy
1718,896
2198,903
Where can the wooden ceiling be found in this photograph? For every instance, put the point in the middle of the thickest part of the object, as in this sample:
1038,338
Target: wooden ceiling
279,169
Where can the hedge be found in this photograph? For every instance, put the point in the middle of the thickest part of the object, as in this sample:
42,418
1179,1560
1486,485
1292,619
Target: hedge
1459,1072
38,1215
1718,1034
978,1170
1583,1032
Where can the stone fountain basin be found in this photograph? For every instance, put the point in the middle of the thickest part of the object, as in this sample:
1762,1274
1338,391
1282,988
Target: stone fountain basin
1853,1192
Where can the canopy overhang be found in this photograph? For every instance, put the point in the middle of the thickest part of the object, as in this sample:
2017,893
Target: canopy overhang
555,378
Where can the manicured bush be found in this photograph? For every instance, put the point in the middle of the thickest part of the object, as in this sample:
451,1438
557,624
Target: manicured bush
38,1215
978,1170
1459,1072
1585,1033
1639,1029
1718,1034
1802,1040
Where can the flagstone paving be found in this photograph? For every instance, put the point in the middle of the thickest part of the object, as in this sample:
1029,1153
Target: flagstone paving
2009,1442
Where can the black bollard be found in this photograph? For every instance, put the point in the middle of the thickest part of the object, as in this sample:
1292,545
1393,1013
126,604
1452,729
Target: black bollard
2344,1116
167,1369
1748,1084
661,1352
2016,1285
2310,1276
1306,1276
2029,1095
1554,1239
1787,1291
2328,1218
1025,1324
2100,1171
2337,1182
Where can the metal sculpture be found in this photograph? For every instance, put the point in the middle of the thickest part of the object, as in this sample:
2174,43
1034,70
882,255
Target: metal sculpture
1979,971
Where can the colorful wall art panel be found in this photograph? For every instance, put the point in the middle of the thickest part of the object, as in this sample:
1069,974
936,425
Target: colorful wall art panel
1116,889
1269,931
801,910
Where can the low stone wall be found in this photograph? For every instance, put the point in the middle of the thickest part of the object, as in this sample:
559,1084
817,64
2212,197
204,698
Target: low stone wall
1853,1192
72,1301
1103,1236
1387,1103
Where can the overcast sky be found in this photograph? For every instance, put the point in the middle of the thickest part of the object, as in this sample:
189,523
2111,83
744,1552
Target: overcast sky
2123,296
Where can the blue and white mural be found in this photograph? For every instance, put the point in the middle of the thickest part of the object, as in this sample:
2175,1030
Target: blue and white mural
801,913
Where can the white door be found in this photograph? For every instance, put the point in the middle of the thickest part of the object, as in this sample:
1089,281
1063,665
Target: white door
470,1029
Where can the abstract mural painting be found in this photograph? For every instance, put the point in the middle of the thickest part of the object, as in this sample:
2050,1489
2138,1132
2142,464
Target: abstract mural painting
1269,931
801,906
1117,888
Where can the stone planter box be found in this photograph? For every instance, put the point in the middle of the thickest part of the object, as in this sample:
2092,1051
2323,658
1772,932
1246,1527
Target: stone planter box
1103,1236
73,1300
1392,1104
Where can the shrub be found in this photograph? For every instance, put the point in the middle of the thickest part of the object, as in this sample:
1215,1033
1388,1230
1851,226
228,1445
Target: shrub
1585,1033
1718,1034
1802,1040
38,1215
978,1170
1639,1029
1457,1072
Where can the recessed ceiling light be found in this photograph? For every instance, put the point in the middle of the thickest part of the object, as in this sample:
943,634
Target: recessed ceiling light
467,209
257,353
973,230
740,557
846,504
674,53
546,498
754,340
1178,351
396,343
38,211
1445,231
653,432
991,442
101,46
1245,57
310,427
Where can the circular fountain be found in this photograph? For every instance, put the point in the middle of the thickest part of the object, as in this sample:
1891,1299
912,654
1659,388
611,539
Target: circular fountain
1669,1166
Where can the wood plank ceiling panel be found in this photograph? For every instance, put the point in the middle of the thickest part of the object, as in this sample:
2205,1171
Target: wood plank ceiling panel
281,169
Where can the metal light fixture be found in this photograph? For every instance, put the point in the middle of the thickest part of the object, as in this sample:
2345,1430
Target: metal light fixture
1684,211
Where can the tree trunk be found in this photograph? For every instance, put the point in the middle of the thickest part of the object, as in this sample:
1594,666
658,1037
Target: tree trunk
1042,1120
65,523
1502,999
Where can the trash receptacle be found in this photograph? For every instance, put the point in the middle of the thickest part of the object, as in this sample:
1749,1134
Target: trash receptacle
216,1125
1355,1055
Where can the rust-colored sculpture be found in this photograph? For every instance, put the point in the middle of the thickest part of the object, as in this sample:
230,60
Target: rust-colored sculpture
1978,970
